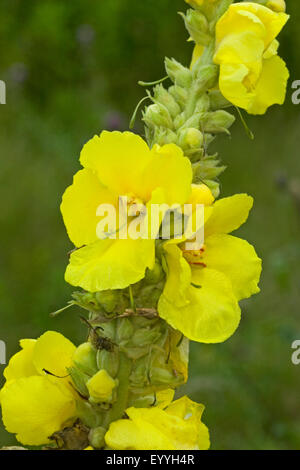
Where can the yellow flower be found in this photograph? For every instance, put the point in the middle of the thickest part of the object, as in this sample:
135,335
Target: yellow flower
177,427
252,75
115,165
34,403
203,287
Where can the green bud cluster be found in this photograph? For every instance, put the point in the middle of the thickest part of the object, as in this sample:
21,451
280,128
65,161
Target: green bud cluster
191,112
136,354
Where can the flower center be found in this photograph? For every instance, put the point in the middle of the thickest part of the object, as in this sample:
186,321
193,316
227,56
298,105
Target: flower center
194,257
133,205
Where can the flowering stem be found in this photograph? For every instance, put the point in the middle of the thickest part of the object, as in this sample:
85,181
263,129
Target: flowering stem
117,410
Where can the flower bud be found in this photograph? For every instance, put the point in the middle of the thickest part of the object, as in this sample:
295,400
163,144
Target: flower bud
109,361
101,387
164,136
79,379
179,74
162,376
85,358
145,336
97,302
161,95
276,5
203,104
157,115
179,94
192,121
218,121
217,100
197,25
125,330
96,437
108,299
207,76
190,138
214,187
180,120
207,169
144,401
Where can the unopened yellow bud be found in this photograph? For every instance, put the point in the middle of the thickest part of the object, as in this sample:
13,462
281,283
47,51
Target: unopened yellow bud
277,5
201,194
101,387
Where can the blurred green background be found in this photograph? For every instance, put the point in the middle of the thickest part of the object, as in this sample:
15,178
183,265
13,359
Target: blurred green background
71,70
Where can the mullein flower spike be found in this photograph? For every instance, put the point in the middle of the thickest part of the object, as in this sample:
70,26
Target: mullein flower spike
146,297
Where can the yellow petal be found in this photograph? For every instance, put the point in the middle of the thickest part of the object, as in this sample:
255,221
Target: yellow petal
237,259
197,53
243,48
179,427
213,313
118,159
101,386
79,206
273,21
169,170
178,275
271,87
136,435
164,398
110,264
228,214
232,84
53,353
21,365
201,194
249,16
34,408
272,49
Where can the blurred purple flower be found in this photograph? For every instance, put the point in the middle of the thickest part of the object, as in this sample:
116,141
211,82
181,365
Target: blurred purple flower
18,73
85,34
114,121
